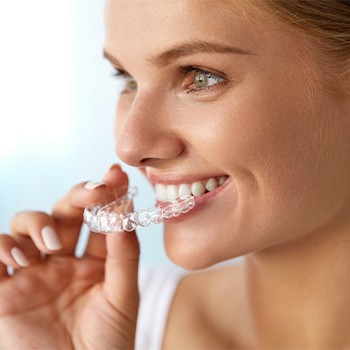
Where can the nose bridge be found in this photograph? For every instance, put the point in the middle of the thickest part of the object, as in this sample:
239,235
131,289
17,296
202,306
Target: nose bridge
146,134
136,115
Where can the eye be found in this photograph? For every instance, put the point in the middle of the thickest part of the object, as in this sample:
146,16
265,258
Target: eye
129,83
201,79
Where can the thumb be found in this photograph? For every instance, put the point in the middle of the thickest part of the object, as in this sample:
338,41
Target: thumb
121,271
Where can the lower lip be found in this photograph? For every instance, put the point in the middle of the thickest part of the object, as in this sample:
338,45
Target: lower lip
202,201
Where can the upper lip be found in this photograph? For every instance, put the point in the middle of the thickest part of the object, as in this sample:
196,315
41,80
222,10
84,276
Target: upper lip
175,179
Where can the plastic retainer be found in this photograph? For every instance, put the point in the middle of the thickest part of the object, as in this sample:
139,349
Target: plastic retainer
109,219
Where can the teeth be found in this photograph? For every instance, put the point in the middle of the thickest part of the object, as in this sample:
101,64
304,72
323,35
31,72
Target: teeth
222,180
184,190
161,192
211,184
172,192
197,188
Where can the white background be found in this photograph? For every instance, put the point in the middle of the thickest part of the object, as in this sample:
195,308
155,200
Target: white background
57,101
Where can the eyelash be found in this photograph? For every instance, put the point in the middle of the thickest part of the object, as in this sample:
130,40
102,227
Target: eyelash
186,70
220,78
120,73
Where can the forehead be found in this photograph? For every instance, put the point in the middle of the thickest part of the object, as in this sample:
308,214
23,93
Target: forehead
137,27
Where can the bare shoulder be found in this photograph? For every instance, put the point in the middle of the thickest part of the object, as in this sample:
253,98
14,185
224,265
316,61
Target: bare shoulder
194,318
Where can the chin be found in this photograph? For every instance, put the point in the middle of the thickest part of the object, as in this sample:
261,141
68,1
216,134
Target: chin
189,262
191,251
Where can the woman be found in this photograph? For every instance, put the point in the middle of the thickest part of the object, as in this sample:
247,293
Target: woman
255,93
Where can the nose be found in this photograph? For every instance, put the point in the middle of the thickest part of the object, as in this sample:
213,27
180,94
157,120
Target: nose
146,133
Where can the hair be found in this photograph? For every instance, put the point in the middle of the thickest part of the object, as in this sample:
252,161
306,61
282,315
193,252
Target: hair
326,26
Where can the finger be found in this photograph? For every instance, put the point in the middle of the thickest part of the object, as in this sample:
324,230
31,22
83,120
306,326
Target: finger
96,246
121,270
87,194
3,271
116,179
41,228
29,248
68,212
11,253
117,182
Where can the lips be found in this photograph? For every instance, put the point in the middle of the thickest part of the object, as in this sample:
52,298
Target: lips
172,190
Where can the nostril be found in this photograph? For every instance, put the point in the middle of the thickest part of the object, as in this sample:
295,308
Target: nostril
151,162
164,153
145,161
141,147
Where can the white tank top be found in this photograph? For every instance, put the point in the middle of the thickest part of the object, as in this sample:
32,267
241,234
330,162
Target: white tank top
157,287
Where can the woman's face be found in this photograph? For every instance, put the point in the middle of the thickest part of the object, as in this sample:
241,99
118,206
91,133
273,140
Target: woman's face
219,94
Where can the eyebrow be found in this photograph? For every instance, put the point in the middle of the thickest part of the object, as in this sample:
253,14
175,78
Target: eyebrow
190,48
112,59
184,49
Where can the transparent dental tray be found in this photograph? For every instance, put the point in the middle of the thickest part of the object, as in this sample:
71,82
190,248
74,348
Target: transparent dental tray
117,216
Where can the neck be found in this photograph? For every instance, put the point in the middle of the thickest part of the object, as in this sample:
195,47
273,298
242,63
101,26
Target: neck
299,293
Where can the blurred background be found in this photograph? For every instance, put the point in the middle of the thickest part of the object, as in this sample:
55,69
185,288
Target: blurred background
57,101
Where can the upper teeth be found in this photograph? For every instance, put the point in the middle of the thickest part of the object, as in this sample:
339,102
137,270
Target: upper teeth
172,192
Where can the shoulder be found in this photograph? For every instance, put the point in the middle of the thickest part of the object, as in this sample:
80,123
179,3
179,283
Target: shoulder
198,301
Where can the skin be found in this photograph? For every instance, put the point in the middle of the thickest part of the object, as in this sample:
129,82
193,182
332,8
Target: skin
269,128
274,130
284,143
91,301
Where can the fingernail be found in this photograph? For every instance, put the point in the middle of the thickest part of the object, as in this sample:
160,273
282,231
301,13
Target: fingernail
19,257
50,238
93,184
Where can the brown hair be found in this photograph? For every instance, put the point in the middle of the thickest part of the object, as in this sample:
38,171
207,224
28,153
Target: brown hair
326,23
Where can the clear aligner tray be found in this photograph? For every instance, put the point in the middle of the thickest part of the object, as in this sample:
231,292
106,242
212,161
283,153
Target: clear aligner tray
116,216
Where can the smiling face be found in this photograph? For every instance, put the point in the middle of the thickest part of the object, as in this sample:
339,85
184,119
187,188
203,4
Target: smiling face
215,94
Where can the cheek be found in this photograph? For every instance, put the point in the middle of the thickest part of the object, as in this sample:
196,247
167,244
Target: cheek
253,135
271,145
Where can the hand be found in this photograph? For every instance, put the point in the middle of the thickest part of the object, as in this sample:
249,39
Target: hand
62,302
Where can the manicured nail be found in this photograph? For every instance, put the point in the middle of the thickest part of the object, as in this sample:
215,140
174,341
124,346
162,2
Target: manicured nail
50,238
19,257
93,184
